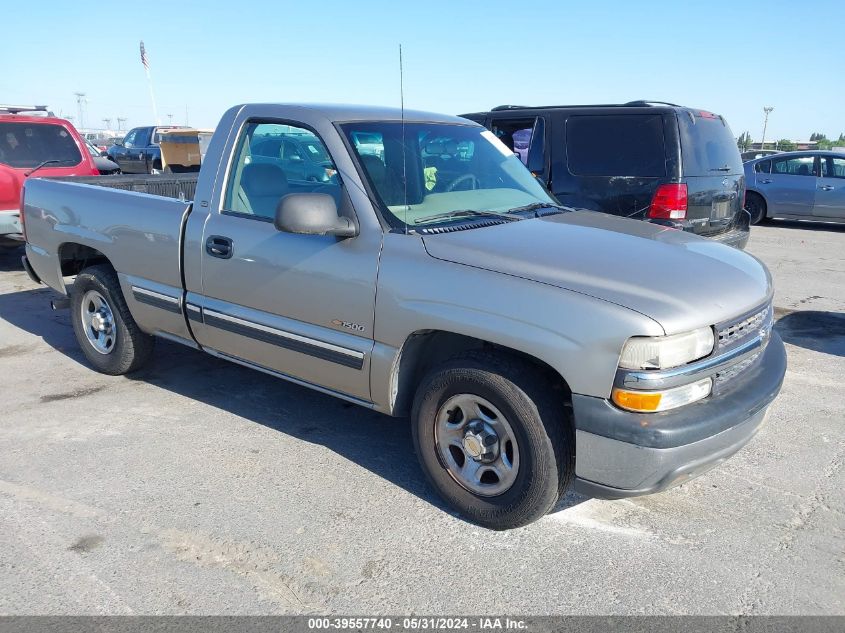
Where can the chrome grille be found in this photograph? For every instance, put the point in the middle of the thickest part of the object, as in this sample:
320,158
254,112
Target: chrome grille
734,370
741,330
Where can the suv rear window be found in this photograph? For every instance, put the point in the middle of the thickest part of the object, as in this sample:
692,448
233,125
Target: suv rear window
617,145
24,145
707,145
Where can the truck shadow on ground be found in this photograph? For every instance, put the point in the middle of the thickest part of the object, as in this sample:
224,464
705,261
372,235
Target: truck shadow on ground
10,258
377,442
812,329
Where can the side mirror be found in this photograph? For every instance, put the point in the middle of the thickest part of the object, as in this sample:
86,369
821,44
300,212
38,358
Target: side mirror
312,214
118,142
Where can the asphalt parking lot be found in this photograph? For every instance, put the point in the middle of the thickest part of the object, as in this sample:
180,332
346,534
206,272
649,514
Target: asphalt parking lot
201,487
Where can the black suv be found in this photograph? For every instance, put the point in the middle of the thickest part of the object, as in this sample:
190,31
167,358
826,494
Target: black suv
655,161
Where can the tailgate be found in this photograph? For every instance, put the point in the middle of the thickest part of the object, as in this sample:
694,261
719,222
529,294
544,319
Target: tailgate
712,169
714,202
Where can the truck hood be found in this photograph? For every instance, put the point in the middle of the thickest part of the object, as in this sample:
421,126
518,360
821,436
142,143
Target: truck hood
680,280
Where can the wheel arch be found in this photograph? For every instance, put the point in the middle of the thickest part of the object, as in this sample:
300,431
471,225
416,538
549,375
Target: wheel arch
73,257
757,192
425,349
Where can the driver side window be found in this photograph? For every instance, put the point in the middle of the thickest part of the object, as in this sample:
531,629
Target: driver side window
129,140
260,174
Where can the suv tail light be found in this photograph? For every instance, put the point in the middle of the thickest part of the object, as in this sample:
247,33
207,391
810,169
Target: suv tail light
669,202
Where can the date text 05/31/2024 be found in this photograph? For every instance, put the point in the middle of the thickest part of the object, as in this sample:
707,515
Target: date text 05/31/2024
419,623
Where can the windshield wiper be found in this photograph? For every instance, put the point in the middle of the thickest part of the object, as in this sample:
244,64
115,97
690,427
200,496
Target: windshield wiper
465,213
537,206
37,167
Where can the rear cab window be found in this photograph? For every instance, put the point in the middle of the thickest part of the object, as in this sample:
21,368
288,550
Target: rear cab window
25,145
616,145
708,147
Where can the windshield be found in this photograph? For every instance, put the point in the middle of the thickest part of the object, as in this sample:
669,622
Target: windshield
24,145
447,167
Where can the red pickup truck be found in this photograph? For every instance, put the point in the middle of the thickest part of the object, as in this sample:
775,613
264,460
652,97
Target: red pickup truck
30,141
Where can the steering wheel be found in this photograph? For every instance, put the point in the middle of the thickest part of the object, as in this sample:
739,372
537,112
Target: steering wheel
465,178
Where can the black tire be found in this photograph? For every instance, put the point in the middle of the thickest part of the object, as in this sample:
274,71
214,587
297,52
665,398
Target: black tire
535,412
131,348
756,207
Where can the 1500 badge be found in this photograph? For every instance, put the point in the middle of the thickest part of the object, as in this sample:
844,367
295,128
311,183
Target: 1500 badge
348,325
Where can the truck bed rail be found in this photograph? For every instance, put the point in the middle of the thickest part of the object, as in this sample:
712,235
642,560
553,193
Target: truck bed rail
178,186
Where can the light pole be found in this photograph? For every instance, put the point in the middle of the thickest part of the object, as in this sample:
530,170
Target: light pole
120,121
107,123
766,109
80,106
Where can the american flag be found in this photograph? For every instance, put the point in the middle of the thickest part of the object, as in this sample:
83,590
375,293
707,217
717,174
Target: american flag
144,59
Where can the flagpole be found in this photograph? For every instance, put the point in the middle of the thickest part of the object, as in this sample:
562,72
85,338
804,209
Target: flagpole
145,62
153,97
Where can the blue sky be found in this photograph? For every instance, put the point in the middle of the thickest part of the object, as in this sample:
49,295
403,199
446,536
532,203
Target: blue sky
460,56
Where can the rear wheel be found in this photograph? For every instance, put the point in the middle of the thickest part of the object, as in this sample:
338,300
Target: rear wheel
493,438
108,335
756,207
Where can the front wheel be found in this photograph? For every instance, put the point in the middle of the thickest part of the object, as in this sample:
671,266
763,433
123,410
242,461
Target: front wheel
493,438
106,331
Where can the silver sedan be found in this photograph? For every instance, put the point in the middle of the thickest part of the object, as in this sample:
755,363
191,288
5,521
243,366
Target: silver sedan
796,186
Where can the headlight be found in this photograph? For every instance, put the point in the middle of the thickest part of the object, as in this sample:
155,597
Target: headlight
661,352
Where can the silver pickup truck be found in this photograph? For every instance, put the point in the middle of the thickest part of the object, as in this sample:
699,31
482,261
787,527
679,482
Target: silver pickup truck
409,263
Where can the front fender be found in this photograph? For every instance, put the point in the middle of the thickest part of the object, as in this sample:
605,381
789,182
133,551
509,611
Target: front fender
579,336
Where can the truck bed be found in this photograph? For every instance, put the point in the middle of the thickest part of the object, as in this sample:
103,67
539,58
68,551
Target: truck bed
179,186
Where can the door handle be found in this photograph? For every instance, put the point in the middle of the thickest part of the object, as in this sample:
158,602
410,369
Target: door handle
765,182
827,187
219,246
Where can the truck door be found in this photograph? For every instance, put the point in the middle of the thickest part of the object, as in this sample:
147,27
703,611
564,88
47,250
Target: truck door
123,153
134,155
145,150
298,305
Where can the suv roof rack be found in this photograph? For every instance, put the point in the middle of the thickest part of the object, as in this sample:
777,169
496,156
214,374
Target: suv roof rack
645,102
639,102
17,109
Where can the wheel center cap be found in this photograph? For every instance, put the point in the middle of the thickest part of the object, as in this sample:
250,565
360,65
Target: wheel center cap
472,446
98,321
480,441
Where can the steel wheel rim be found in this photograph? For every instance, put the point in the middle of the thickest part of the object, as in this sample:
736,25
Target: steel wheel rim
463,425
98,322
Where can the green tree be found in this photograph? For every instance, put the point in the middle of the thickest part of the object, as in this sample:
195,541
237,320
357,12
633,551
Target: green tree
786,145
744,141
